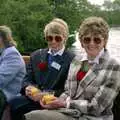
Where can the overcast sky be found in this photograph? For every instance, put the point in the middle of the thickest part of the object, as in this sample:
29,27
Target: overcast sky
99,2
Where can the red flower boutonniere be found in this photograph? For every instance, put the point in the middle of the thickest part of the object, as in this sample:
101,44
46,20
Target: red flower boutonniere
80,75
42,66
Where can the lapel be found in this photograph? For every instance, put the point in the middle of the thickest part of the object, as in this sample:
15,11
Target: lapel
91,75
40,57
87,80
43,56
74,68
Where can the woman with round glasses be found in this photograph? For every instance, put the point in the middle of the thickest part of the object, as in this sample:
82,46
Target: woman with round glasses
47,70
92,83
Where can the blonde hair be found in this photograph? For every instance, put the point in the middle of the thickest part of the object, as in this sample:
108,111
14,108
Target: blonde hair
6,34
96,25
57,26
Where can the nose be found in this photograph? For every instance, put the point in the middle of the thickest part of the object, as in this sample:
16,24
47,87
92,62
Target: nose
53,41
92,41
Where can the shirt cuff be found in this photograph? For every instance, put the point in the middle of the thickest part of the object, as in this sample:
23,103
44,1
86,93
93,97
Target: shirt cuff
68,102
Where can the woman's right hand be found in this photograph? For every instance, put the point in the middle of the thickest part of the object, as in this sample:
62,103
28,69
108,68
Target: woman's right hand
28,90
33,93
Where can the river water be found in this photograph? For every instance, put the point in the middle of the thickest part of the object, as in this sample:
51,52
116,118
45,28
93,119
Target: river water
113,44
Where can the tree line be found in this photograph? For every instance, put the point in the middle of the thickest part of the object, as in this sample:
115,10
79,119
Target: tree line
27,18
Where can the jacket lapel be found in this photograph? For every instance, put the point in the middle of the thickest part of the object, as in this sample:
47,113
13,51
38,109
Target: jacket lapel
87,80
91,75
41,57
72,82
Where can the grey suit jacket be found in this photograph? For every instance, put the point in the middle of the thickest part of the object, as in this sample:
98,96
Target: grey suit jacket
93,96
12,72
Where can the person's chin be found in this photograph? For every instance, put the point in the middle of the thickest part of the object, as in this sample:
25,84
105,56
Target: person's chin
54,48
92,55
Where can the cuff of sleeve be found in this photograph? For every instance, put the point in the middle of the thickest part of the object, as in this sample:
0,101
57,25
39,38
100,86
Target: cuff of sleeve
83,104
68,102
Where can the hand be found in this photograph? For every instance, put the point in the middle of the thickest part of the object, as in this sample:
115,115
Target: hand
28,90
56,103
33,93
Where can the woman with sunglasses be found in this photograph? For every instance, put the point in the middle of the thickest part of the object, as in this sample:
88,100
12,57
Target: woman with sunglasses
47,70
92,84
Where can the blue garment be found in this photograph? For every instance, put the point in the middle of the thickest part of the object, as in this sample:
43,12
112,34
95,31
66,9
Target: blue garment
50,59
12,72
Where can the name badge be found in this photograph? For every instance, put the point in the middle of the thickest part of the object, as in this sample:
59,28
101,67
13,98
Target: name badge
56,65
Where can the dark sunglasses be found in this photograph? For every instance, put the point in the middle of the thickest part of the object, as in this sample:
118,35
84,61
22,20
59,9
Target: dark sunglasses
96,40
56,38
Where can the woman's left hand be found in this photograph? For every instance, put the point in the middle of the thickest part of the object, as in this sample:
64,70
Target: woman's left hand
56,103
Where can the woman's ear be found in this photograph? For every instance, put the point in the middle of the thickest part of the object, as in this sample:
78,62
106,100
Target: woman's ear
64,39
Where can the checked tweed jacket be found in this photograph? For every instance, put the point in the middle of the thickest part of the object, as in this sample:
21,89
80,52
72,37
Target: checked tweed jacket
93,96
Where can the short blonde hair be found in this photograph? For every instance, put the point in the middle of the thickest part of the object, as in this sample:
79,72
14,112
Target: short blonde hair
6,34
96,25
57,26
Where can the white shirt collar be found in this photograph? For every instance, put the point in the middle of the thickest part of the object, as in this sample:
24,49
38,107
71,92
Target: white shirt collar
96,60
60,52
